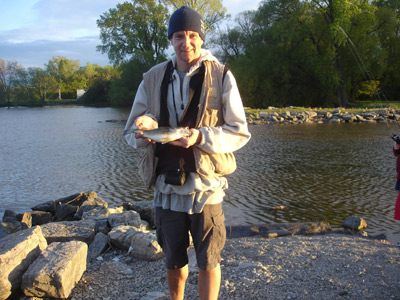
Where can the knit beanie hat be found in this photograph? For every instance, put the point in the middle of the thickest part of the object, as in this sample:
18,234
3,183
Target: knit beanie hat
186,18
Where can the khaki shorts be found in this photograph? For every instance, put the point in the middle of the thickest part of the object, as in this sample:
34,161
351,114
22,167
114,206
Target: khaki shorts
207,230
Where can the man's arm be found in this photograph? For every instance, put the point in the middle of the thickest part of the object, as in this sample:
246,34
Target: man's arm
233,134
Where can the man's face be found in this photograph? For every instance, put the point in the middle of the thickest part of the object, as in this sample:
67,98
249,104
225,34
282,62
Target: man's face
187,45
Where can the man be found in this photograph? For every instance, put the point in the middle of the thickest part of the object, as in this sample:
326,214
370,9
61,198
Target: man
188,175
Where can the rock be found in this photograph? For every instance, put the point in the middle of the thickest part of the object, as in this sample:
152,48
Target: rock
49,206
121,236
144,246
278,232
65,212
40,217
9,216
98,246
69,231
140,244
25,218
129,217
116,268
145,210
354,223
154,296
90,204
3,230
12,227
275,229
102,225
96,213
75,200
17,252
56,271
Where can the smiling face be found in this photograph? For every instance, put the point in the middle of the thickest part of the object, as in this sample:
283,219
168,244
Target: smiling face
187,45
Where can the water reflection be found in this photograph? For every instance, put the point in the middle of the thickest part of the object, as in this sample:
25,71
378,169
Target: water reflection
321,172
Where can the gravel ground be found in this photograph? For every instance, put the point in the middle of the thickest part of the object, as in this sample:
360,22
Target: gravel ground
330,266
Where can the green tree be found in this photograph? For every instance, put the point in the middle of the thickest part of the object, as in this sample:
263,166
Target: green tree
388,31
100,79
7,77
63,70
123,89
303,52
41,82
134,29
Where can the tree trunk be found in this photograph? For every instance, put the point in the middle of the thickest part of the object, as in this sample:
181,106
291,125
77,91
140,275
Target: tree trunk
343,99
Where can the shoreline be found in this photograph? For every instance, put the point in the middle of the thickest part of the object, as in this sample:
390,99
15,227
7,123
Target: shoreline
319,266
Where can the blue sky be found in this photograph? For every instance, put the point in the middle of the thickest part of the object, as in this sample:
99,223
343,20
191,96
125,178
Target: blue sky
33,31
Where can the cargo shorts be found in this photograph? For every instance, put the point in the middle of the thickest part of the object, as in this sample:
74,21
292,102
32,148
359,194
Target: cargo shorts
208,233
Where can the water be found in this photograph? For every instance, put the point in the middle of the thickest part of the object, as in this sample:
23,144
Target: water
322,172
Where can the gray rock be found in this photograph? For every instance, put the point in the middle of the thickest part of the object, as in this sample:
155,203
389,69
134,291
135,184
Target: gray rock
65,212
12,227
154,296
69,231
121,236
90,204
56,271
9,216
354,223
17,252
41,217
129,217
98,246
96,213
25,218
145,210
144,246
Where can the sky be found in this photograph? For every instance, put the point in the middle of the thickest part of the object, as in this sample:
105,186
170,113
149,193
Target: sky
33,31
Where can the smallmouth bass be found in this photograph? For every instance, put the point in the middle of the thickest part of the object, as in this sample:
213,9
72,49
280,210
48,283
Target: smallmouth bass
162,135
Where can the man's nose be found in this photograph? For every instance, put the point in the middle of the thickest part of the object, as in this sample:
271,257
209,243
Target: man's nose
186,41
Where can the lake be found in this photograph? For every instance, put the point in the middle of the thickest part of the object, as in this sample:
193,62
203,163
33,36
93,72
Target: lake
318,172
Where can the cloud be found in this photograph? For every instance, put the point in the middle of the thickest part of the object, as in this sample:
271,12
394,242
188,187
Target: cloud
38,53
33,31
50,28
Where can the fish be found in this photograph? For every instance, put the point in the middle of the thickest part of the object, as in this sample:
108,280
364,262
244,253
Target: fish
162,135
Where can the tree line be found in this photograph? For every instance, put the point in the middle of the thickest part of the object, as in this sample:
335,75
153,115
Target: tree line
287,52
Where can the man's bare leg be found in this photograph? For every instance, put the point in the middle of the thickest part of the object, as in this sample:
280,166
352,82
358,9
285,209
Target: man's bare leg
176,282
209,283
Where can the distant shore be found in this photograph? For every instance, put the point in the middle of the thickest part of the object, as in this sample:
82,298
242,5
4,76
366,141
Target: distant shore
338,115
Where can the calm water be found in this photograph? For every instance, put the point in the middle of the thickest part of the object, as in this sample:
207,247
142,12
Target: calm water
319,172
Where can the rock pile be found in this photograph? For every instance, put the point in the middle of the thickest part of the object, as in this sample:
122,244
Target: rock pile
44,252
334,116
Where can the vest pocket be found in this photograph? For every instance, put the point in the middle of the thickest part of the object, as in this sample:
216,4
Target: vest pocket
210,117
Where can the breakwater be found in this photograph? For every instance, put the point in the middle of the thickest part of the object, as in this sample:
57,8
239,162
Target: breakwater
340,115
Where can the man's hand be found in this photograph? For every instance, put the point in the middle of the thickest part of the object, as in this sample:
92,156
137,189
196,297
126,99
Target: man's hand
147,123
186,142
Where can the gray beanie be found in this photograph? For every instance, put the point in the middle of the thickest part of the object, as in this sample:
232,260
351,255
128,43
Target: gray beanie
186,18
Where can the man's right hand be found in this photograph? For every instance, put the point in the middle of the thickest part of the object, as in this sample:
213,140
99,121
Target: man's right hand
146,123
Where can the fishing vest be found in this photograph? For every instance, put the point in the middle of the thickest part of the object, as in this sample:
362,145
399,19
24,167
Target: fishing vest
208,113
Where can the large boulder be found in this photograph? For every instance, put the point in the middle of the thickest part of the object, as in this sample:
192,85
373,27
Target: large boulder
17,252
56,271
90,204
140,244
144,208
129,217
69,231
354,223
